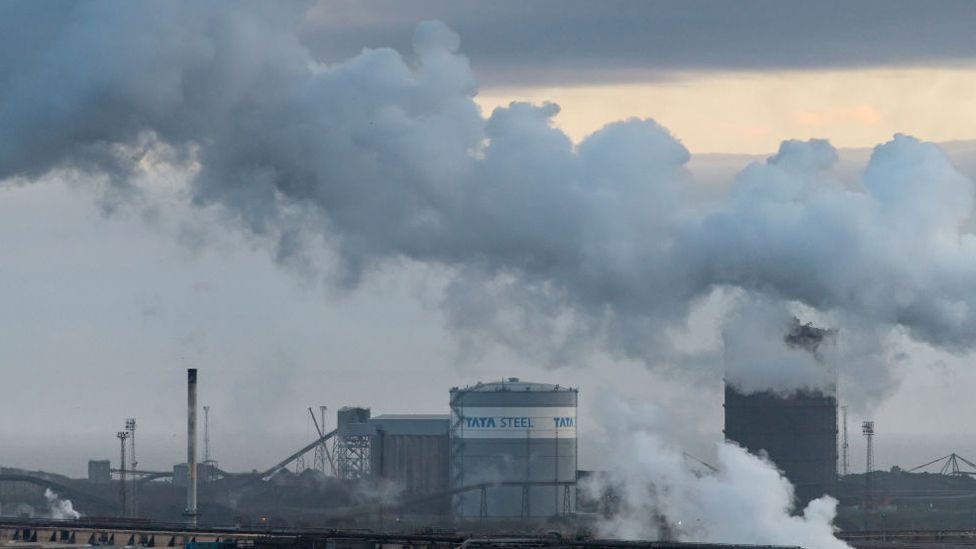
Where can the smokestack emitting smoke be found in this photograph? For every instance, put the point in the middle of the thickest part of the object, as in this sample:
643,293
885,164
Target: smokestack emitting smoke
547,244
796,431
191,446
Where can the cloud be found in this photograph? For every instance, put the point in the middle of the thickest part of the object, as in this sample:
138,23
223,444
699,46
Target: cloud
551,245
574,42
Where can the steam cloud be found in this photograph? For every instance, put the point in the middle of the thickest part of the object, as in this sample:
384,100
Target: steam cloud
658,495
551,245
60,509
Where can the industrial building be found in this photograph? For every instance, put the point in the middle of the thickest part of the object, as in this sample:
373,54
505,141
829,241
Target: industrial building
798,432
99,470
505,456
412,450
513,450
506,450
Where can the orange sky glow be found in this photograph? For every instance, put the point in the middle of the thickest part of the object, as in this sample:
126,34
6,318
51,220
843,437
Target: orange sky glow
753,112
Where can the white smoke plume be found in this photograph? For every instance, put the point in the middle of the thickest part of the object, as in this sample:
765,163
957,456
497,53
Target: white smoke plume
853,359
551,245
60,509
658,494
760,363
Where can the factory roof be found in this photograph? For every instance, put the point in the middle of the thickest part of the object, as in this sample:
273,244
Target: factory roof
514,384
411,417
411,424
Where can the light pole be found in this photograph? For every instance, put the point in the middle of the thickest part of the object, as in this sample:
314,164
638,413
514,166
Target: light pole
122,436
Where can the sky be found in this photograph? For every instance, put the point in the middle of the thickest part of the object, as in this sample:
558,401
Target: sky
727,78
177,195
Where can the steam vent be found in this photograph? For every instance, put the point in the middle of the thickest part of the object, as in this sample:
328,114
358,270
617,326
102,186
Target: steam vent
514,442
797,432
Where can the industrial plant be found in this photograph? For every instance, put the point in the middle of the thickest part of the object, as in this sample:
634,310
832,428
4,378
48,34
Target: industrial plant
506,450
503,457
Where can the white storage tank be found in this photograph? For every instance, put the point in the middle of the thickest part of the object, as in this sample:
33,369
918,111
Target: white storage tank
513,450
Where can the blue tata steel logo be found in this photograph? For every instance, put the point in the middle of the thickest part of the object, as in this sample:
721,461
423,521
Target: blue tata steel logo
512,422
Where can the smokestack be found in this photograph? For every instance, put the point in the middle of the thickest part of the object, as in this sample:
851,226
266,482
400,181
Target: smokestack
191,447
797,431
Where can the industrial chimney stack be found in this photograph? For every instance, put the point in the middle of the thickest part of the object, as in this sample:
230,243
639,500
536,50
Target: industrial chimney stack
191,447
797,432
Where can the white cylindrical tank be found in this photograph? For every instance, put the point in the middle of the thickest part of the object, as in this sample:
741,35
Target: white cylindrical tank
513,449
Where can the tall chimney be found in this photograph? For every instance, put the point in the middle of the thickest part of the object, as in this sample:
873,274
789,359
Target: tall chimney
191,447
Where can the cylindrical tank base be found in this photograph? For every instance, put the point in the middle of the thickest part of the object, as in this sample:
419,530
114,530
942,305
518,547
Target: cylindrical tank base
798,433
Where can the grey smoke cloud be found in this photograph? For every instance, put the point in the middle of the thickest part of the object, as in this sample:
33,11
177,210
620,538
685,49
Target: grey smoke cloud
552,244
893,251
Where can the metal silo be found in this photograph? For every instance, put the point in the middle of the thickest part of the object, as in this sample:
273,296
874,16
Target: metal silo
413,451
513,449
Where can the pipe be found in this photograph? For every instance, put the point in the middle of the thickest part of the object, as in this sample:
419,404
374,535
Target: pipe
284,463
191,447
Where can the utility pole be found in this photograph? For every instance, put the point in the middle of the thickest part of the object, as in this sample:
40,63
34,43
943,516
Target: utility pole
122,436
867,428
208,464
206,433
845,464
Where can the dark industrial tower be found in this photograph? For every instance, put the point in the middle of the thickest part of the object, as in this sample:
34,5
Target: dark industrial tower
797,432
